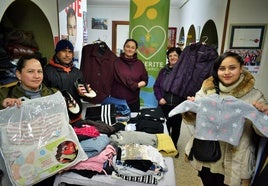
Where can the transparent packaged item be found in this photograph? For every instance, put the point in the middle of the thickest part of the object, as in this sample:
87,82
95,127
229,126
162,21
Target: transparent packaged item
37,141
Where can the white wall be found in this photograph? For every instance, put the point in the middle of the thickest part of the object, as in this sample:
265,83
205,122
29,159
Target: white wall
174,17
197,13
3,7
115,13
252,12
111,13
50,9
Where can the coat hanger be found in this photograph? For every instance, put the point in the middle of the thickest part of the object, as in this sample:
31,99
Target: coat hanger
97,41
205,39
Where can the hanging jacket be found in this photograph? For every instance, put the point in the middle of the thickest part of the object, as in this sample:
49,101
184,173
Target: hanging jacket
194,66
97,66
159,92
160,80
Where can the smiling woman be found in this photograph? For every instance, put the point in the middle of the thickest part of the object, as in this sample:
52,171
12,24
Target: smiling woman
30,75
130,76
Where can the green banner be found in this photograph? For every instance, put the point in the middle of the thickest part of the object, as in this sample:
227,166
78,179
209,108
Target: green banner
149,27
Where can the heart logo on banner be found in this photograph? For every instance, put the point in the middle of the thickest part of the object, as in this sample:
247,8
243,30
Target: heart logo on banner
150,40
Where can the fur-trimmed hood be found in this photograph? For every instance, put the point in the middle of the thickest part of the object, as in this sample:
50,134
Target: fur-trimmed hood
246,85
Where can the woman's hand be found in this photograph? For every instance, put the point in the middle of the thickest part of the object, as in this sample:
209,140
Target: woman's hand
141,84
82,89
10,102
162,101
261,107
189,114
190,98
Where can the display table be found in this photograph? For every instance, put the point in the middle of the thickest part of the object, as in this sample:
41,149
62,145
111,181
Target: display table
101,180
107,180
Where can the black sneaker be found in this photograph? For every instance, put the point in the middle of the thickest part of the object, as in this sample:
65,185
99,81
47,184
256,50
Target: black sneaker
90,93
72,106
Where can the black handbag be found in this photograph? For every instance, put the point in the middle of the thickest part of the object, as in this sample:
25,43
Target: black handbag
205,150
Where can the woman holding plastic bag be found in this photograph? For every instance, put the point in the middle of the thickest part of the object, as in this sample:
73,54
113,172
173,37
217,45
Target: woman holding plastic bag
30,75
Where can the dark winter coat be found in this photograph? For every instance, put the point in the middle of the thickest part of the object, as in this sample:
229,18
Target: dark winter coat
194,66
63,78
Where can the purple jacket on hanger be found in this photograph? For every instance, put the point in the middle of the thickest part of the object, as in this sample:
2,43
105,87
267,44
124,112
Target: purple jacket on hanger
194,66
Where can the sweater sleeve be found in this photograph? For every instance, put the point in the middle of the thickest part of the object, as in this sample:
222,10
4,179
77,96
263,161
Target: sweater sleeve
3,95
184,107
157,86
142,75
258,118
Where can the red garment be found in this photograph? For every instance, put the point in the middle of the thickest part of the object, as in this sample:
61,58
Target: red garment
87,130
97,66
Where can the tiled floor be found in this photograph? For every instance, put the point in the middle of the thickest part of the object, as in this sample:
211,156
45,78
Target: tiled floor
186,175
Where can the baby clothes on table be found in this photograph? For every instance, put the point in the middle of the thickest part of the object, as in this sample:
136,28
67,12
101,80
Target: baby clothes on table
219,118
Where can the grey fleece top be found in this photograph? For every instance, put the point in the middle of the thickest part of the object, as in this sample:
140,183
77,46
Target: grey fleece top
222,119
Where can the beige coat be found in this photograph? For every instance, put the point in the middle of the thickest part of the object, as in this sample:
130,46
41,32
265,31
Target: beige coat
237,162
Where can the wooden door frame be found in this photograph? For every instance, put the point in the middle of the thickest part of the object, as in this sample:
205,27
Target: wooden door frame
114,33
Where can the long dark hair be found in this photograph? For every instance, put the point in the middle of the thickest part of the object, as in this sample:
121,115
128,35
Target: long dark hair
217,65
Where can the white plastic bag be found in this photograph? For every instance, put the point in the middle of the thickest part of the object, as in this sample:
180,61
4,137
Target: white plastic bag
37,140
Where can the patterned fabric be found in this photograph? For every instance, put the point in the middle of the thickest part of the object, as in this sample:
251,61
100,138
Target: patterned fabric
222,118
142,152
149,179
37,140
87,130
103,113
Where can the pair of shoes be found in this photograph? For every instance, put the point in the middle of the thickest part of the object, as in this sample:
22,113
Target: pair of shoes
89,93
72,106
